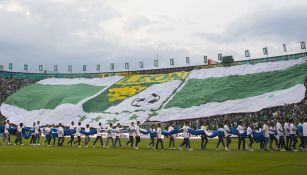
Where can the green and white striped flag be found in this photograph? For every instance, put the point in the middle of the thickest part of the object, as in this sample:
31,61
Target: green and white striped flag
237,89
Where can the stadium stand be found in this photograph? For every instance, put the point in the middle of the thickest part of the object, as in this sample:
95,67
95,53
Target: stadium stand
10,82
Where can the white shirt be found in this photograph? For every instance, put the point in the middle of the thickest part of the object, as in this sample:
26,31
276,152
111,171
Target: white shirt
6,128
226,130
98,129
170,128
279,129
287,129
292,129
117,131
159,133
240,129
78,129
265,130
109,132
60,132
137,130
36,129
272,130
131,131
19,129
185,131
249,131
72,127
87,130
304,129
47,130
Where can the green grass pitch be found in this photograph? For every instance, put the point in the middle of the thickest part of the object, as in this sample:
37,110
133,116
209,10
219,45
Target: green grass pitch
43,160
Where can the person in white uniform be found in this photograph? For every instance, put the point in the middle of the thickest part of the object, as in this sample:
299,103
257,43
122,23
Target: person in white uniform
109,135
72,135
241,138
131,134
98,136
159,137
117,135
137,135
87,135
6,133
19,134
266,134
249,132
186,137
304,125
287,134
60,135
281,135
172,137
78,134
293,134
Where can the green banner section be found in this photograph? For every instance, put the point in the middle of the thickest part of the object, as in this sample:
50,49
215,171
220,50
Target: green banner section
38,96
128,87
197,92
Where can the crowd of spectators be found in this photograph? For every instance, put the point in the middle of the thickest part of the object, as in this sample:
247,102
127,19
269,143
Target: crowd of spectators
8,86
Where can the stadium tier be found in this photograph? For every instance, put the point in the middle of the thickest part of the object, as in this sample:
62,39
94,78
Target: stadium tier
247,86
40,76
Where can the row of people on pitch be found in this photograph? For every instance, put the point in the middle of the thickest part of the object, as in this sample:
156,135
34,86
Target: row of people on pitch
291,130
285,135
133,130
35,136
270,131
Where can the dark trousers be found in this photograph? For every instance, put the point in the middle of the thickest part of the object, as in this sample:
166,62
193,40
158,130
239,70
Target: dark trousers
220,140
137,140
204,142
87,140
130,141
228,141
251,141
109,138
53,140
241,141
48,139
71,141
60,141
100,139
78,140
305,142
186,142
294,141
281,143
261,144
33,139
117,139
152,142
159,140
18,138
38,137
288,142
273,138
171,142
301,141
265,143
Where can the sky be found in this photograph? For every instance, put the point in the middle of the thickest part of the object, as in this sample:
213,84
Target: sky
91,32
